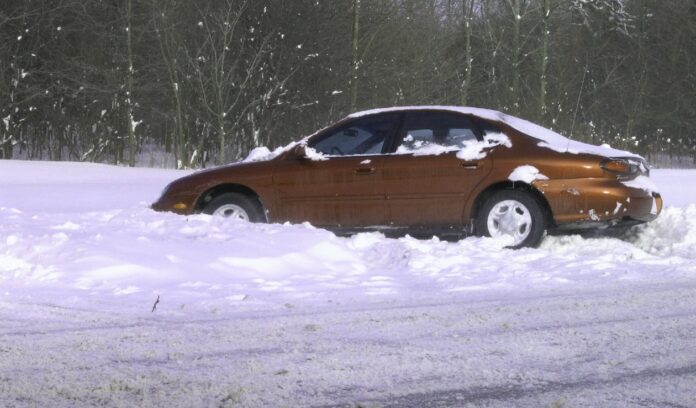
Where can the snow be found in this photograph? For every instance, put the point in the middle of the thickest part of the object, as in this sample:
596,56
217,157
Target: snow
291,315
314,155
469,150
526,174
642,183
264,154
547,137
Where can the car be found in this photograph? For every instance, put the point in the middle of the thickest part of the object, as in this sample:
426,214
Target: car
429,170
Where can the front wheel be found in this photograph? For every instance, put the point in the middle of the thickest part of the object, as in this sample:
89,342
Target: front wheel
515,214
235,205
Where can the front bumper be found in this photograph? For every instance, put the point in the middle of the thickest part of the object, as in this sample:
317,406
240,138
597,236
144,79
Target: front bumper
597,202
179,203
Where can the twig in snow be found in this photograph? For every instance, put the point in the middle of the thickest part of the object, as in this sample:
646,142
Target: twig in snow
155,305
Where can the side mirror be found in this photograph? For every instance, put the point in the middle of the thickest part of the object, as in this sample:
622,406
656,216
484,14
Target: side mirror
299,152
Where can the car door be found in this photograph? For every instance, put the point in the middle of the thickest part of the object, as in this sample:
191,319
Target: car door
344,188
426,184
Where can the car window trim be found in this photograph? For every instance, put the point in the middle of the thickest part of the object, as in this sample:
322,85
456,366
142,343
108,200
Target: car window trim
396,123
398,138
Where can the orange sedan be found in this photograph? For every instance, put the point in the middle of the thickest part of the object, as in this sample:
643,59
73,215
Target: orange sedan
429,170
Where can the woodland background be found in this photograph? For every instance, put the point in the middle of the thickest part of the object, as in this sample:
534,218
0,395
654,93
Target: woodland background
205,81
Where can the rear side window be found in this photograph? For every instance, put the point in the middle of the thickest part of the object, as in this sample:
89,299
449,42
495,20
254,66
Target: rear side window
435,132
363,136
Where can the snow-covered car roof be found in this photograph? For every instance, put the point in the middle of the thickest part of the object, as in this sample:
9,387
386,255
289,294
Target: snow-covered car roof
547,137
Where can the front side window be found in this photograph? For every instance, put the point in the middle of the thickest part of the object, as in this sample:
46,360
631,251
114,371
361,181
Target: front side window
435,132
364,136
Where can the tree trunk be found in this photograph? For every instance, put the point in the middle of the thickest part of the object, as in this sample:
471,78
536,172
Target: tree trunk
516,10
221,137
6,138
172,71
467,9
356,61
129,91
546,16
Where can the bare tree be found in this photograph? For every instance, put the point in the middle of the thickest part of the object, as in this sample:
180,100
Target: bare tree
355,64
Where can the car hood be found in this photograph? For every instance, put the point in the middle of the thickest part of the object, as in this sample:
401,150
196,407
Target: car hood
233,172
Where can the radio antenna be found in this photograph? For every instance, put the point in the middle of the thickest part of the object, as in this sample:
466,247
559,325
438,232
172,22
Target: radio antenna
577,105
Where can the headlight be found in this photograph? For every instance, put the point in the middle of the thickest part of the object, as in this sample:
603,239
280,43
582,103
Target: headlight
624,167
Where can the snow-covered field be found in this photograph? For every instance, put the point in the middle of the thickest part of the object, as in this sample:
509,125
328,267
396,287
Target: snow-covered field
290,315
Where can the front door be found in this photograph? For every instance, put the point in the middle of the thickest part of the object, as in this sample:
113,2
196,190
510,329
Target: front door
341,185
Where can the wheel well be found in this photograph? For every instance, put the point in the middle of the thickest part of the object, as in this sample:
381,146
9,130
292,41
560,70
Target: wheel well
210,194
512,185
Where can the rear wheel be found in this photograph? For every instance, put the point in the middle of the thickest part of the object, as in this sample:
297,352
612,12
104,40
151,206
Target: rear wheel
235,205
515,214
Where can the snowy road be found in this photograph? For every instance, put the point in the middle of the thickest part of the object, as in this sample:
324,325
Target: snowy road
287,316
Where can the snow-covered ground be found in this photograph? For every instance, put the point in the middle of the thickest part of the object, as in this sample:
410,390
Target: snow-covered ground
290,315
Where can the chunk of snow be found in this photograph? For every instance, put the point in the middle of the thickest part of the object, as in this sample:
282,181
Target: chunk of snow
429,149
259,154
526,174
653,208
475,150
468,151
593,215
314,155
263,153
642,183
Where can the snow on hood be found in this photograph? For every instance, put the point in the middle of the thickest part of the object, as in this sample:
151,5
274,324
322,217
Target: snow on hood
548,138
263,153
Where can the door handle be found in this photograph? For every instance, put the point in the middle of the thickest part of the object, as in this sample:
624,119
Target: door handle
364,171
470,165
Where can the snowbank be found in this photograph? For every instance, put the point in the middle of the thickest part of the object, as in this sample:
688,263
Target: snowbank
290,315
79,239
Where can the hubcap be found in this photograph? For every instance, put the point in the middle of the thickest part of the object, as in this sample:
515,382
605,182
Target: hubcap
510,218
231,211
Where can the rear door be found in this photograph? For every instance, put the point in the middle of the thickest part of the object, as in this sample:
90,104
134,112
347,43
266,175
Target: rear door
426,184
346,189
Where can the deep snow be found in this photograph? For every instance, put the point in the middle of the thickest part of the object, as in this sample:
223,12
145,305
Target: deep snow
290,315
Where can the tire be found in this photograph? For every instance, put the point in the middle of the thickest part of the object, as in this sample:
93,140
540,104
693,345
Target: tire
236,205
513,213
